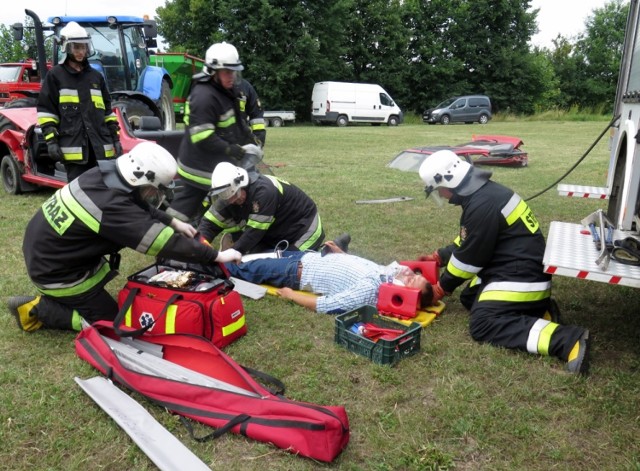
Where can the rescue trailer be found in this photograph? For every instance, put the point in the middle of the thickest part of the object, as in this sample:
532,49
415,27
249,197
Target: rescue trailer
605,247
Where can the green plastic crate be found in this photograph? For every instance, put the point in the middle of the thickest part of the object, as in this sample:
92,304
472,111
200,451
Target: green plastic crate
383,352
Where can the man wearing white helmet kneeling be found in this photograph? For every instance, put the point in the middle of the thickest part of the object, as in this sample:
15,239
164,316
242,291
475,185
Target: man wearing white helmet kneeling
499,251
260,212
107,208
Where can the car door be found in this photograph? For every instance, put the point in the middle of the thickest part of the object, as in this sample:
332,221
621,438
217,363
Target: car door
458,110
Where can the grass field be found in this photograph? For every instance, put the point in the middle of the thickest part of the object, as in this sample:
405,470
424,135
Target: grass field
455,405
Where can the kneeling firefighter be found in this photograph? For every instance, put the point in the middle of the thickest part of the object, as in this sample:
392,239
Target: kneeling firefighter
107,208
499,251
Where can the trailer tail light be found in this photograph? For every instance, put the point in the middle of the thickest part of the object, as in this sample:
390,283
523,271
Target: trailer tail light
328,106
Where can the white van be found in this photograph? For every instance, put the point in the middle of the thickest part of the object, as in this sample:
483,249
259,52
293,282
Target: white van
342,103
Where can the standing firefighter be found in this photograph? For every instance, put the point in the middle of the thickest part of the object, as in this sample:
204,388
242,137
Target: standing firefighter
217,128
260,211
74,108
499,252
107,208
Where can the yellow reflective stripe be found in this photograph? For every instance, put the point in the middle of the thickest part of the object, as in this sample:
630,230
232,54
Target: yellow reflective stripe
69,99
276,183
96,98
170,322
451,268
160,241
514,296
539,339
517,212
80,288
544,341
209,216
262,226
194,178
516,291
201,136
314,237
233,327
457,241
85,216
127,317
227,122
257,127
57,214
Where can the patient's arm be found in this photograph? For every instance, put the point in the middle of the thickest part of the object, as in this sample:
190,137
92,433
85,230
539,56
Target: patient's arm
299,298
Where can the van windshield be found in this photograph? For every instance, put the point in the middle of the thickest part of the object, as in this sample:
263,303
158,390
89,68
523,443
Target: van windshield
446,103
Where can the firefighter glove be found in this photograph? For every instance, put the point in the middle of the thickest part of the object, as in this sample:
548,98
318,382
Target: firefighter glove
54,151
438,293
114,130
117,148
253,149
432,257
229,255
234,150
50,133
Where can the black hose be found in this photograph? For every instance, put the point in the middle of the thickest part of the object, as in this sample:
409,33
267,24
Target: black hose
613,120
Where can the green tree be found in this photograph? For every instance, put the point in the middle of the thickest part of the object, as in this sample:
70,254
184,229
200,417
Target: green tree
376,44
16,51
597,54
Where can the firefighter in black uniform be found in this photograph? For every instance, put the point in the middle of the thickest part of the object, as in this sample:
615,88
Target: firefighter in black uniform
262,212
107,208
499,252
218,111
74,108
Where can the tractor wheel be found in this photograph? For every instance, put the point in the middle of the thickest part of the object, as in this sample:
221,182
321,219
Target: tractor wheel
166,107
10,175
27,102
133,110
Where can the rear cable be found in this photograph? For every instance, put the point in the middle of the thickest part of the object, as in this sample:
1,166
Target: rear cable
613,120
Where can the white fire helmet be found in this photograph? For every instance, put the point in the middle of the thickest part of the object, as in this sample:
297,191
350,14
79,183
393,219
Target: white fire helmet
444,169
227,179
149,164
74,33
221,56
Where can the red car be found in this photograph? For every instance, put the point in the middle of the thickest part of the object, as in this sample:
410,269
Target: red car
482,150
19,80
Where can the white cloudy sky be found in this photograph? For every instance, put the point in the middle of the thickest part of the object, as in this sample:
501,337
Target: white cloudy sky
556,16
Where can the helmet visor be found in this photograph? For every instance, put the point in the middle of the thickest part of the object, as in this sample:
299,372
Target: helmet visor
224,192
431,191
74,45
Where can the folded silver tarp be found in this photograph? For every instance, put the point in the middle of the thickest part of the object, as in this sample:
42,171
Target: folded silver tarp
164,449
141,357
250,290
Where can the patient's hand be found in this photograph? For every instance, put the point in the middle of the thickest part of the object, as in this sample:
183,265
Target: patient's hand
286,293
333,248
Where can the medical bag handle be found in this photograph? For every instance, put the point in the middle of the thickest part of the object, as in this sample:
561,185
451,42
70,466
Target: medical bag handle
267,380
128,303
238,419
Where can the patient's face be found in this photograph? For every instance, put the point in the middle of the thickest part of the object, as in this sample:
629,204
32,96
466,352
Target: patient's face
413,280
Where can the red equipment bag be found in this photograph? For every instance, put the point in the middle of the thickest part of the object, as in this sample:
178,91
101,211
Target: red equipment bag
206,305
311,430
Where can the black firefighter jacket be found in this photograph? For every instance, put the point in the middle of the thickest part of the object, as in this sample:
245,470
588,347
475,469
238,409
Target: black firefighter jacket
500,240
75,108
215,127
274,210
66,241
